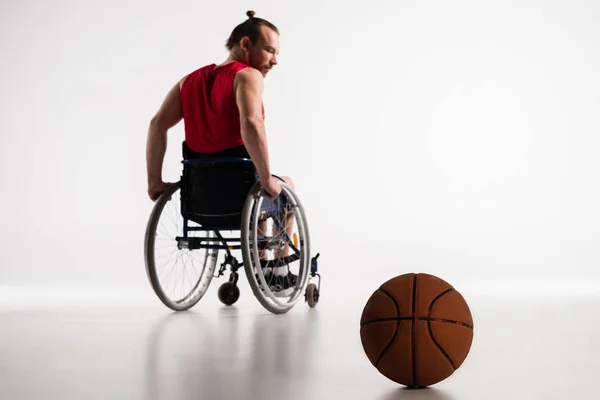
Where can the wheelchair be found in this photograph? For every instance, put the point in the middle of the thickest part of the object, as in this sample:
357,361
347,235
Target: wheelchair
219,206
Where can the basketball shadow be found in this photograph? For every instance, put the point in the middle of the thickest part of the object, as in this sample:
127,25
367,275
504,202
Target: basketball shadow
428,393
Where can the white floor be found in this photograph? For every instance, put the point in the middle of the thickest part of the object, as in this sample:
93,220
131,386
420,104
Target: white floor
525,347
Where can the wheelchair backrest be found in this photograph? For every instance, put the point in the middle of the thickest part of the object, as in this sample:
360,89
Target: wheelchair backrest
213,190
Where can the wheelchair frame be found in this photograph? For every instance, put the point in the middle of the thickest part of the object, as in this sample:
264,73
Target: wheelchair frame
229,292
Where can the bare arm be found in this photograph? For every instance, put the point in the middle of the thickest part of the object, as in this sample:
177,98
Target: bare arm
168,115
248,87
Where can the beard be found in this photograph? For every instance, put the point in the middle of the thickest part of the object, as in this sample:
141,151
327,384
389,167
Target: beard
255,62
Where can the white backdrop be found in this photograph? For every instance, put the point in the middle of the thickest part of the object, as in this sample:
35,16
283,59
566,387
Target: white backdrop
453,138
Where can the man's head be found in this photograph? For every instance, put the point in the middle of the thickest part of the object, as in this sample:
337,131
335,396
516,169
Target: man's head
255,42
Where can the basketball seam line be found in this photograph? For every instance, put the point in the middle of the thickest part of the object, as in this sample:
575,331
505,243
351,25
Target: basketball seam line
448,321
393,339
431,331
414,330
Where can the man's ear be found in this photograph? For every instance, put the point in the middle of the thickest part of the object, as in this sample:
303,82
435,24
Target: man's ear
245,43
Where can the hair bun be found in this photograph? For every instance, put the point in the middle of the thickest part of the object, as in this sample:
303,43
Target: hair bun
250,14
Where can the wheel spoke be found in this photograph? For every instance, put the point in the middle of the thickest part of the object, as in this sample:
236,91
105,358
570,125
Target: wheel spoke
179,277
273,285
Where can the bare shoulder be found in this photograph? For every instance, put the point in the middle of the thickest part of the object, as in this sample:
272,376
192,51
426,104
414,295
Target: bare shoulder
250,73
248,77
181,81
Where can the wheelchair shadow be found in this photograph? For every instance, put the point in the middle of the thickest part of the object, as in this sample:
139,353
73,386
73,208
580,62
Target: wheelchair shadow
231,355
282,359
165,336
428,393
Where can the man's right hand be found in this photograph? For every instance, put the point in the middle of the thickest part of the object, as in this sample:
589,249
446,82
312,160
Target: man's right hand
271,187
155,189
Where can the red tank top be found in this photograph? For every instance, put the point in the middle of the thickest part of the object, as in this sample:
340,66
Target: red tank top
210,113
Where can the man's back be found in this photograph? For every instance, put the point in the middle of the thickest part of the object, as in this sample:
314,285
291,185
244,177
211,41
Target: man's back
221,106
210,113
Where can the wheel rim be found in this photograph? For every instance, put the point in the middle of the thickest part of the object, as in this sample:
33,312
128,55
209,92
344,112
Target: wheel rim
250,238
164,259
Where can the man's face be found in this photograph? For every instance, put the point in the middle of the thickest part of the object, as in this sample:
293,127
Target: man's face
263,54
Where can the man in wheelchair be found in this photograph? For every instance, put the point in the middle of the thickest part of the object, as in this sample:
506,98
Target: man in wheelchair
214,195
222,109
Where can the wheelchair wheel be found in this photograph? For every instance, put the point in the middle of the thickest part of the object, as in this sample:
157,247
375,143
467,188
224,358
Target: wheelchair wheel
228,293
179,276
275,248
312,295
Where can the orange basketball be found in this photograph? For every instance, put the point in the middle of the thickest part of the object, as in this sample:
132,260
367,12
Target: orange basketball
416,329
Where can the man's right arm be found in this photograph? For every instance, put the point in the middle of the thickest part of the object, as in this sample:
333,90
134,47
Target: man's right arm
248,87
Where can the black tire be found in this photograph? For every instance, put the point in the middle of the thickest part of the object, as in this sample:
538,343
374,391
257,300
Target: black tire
249,227
229,293
187,300
312,295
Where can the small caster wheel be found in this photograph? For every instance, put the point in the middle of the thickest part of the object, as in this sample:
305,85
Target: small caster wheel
229,293
312,295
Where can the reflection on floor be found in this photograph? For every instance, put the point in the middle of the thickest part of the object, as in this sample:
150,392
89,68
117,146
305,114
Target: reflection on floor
525,347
